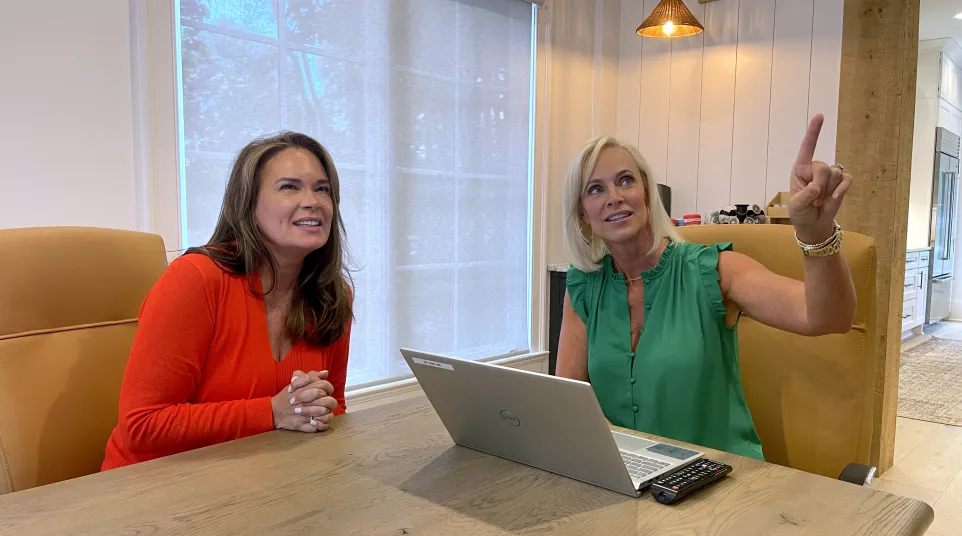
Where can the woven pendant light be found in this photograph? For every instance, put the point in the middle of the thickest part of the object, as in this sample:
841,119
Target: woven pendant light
670,18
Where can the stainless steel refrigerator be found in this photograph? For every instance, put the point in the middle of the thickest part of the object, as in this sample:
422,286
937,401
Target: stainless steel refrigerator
942,233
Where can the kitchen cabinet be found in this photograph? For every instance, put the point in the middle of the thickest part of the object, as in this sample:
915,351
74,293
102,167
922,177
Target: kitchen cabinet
950,118
922,284
908,315
950,94
949,82
915,290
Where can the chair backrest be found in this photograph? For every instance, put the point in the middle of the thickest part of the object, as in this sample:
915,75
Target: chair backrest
69,300
811,398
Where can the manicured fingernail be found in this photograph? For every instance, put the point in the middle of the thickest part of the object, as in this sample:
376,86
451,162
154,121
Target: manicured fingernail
297,410
292,400
294,377
290,388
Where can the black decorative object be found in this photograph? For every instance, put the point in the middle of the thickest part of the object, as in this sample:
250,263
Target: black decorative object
556,301
665,193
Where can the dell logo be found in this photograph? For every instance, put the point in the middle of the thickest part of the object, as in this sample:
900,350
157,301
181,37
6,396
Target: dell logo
510,418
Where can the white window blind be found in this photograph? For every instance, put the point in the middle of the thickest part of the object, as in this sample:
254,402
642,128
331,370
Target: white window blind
425,106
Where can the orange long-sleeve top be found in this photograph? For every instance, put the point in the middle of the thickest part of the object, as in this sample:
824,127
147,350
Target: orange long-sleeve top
201,370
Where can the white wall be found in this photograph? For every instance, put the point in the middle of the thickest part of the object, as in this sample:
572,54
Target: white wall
923,149
578,96
67,142
719,116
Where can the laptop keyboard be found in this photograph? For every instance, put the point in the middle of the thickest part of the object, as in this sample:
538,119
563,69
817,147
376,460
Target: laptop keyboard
639,466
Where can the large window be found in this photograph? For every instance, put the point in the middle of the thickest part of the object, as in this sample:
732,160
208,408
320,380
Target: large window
425,106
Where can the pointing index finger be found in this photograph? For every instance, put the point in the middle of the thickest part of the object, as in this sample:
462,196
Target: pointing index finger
806,153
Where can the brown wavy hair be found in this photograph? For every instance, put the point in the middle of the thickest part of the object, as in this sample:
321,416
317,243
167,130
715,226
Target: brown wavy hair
321,306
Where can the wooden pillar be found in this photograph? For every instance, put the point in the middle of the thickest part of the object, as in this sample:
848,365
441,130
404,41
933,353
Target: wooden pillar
875,125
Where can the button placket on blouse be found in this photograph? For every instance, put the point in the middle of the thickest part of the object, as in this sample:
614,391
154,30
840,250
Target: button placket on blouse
631,354
644,323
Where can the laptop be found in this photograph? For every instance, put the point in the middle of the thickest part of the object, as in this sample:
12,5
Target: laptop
547,422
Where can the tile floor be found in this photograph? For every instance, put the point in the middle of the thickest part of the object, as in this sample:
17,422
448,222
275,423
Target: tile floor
946,330
928,467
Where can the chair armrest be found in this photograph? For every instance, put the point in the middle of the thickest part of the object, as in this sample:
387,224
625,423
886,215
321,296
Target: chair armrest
858,473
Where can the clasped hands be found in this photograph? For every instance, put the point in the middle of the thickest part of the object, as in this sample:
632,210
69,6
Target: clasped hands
306,405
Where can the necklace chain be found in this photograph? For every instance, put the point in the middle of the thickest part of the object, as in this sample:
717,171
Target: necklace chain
667,246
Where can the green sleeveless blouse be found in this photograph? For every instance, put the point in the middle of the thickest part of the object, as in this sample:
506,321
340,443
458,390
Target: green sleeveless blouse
682,381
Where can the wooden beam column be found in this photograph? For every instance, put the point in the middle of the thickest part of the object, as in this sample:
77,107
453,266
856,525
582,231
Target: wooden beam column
875,125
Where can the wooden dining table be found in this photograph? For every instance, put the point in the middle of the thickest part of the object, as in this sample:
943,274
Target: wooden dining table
394,471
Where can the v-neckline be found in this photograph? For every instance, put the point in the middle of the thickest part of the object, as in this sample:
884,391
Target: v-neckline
260,298
645,277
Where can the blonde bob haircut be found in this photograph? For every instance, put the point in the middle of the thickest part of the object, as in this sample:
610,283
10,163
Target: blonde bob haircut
586,250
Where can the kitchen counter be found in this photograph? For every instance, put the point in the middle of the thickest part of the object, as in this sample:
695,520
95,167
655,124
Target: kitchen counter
558,267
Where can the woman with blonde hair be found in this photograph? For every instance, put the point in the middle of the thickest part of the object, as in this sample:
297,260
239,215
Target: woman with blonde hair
226,332
651,321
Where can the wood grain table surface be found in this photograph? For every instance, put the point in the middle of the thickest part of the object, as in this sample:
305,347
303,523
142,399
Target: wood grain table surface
394,471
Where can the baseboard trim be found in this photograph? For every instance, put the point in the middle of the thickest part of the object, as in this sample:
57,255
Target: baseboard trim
914,340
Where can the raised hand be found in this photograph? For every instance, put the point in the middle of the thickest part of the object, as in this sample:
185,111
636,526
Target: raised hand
816,191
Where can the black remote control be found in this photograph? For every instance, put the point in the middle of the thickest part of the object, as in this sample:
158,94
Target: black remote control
675,486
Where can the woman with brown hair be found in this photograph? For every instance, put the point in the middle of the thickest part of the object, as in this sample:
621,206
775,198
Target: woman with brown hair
227,330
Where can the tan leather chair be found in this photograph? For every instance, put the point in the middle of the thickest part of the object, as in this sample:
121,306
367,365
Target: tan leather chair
69,299
811,398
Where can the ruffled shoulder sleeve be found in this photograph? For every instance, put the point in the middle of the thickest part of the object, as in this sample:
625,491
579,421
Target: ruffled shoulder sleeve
577,283
707,260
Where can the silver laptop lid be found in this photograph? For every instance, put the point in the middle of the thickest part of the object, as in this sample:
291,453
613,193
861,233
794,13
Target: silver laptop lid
543,421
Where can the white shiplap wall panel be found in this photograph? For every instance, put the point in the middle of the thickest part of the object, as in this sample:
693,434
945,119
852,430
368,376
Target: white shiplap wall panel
791,65
655,85
684,118
826,70
717,105
766,67
753,89
629,70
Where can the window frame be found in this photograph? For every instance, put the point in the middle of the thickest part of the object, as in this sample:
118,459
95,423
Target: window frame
159,157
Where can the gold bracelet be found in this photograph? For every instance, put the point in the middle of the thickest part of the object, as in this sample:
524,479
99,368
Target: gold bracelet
830,246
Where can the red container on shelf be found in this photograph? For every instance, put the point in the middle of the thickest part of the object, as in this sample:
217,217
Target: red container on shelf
692,219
